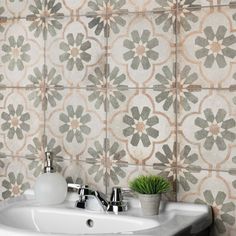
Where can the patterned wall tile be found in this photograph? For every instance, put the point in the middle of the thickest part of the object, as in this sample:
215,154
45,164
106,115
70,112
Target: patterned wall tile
209,47
15,178
81,172
115,80
20,121
139,5
122,175
3,18
142,48
15,9
195,4
140,126
88,7
75,124
20,53
219,196
45,87
44,18
210,130
112,7
82,7
76,52
35,154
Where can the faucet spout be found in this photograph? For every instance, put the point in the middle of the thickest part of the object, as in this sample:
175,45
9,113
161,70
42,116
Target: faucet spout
84,192
101,200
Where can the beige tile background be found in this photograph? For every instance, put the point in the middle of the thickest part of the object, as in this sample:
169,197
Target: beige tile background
118,88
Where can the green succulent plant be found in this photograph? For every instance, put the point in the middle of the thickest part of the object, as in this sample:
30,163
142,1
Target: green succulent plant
151,184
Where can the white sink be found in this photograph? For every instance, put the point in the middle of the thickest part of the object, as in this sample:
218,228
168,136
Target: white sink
22,216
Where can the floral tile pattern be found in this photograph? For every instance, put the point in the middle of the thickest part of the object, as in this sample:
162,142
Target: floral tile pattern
118,88
46,84
20,53
140,126
36,154
15,178
219,197
76,52
210,46
19,122
210,130
183,159
107,162
15,9
80,172
44,17
137,50
75,124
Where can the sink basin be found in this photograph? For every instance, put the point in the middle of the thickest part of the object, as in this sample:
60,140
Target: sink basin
22,216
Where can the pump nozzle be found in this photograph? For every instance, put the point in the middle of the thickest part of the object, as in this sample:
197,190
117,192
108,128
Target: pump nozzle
48,164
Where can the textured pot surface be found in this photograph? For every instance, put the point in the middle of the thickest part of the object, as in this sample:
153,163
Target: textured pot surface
150,204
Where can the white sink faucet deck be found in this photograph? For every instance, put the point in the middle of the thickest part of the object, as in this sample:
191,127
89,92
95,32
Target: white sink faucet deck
23,217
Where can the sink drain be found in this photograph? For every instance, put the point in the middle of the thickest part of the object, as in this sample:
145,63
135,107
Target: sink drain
89,223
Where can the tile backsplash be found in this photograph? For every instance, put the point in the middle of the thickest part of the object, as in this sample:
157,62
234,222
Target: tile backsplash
118,88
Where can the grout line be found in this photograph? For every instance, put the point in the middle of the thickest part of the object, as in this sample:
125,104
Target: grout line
44,78
128,164
107,99
230,5
32,87
176,30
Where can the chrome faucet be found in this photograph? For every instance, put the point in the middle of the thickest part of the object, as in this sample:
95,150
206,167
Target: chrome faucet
84,192
116,204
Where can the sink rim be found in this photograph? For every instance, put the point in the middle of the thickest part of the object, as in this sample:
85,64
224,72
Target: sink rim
173,210
35,212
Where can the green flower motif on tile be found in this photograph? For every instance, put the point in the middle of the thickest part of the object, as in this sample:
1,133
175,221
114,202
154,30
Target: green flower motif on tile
107,162
16,53
215,46
140,126
183,159
141,49
232,171
45,18
46,87
107,89
103,18
168,18
234,98
167,162
75,51
2,19
222,209
37,154
2,156
215,129
232,6
2,86
14,185
167,86
75,123
16,121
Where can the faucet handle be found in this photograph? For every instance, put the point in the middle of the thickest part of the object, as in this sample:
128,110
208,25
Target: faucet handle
74,186
84,190
116,201
116,195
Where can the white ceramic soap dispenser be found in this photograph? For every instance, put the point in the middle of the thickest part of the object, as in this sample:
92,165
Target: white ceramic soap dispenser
50,187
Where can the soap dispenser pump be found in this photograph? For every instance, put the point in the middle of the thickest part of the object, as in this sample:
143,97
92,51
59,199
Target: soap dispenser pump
50,187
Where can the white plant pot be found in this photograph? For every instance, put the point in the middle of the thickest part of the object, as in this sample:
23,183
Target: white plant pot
150,203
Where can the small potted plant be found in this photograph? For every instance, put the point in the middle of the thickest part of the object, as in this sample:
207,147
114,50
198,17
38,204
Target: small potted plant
149,189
